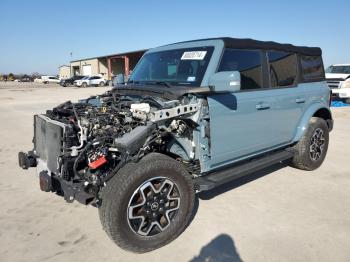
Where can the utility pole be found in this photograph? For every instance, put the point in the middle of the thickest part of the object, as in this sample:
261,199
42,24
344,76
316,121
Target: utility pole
70,67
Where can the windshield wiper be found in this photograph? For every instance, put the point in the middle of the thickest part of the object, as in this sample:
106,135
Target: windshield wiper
132,82
164,83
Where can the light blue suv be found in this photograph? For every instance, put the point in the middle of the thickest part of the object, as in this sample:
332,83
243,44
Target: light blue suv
193,116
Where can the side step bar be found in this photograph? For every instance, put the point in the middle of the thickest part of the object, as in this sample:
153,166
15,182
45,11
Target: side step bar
220,177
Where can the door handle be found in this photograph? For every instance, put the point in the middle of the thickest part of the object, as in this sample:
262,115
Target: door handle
262,106
300,100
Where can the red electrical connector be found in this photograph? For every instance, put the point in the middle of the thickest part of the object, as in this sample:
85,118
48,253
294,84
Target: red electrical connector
98,162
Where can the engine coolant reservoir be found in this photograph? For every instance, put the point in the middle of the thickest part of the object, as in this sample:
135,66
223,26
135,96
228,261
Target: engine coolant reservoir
143,107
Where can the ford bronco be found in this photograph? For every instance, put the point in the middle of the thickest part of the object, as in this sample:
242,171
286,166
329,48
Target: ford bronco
193,116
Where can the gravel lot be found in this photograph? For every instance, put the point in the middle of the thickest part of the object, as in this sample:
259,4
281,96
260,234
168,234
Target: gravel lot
280,214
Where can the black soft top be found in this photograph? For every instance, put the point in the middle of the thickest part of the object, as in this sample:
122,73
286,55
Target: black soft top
247,43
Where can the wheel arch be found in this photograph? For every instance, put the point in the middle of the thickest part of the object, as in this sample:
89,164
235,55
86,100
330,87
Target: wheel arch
316,110
180,148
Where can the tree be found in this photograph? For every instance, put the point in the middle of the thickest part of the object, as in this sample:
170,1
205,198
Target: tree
11,77
35,75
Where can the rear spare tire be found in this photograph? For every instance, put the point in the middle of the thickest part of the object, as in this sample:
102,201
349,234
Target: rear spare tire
147,204
311,150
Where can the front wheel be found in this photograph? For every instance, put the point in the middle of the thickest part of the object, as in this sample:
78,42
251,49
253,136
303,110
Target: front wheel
101,83
311,150
147,204
84,85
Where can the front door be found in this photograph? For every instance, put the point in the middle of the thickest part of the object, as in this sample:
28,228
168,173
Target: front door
240,124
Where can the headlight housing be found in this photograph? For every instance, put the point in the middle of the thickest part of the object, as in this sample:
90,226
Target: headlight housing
346,83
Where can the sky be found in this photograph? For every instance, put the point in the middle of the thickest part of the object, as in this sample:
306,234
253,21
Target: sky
38,35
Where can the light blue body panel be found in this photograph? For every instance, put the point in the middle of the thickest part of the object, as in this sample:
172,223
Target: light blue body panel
245,129
241,129
318,98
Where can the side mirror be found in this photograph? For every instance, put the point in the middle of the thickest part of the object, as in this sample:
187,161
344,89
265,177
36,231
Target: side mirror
228,81
119,79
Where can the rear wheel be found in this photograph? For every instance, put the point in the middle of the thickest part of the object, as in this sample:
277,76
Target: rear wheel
101,83
312,148
147,204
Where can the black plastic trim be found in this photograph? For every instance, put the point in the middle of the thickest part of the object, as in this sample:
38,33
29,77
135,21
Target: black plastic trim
217,178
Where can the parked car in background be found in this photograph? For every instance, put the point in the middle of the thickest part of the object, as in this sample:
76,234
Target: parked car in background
25,78
70,81
50,79
338,79
90,81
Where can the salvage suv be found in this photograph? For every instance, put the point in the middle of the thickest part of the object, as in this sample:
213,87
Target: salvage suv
193,116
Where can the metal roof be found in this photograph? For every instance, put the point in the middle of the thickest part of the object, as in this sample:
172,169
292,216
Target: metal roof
111,55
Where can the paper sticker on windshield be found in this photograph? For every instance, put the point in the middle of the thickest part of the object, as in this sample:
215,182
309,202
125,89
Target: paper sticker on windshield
191,79
193,55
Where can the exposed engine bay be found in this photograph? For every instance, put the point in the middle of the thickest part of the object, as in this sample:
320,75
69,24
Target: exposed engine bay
78,147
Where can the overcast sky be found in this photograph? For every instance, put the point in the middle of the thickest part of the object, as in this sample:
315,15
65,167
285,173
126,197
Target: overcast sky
38,36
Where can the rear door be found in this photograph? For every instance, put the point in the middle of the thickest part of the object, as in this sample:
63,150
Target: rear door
288,100
94,80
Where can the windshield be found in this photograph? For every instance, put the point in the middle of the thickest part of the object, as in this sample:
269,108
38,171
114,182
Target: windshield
338,69
177,67
85,77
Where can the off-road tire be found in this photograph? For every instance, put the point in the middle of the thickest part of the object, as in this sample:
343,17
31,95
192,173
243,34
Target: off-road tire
115,197
302,158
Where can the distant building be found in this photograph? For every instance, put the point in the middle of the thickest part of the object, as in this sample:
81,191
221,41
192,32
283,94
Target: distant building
107,66
64,72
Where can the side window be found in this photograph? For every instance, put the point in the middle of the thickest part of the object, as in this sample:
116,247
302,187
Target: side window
247,62
282,68
172,70
311,67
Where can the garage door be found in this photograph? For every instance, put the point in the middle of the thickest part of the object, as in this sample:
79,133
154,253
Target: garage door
86,70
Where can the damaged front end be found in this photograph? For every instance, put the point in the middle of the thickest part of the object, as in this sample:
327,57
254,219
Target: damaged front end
78,147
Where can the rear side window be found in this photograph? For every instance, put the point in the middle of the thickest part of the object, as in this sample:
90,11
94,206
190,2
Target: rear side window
247,62
282,68
311,67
